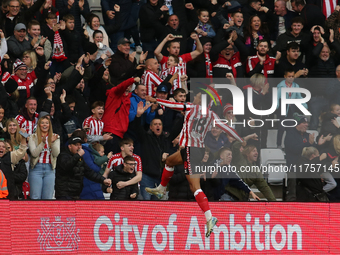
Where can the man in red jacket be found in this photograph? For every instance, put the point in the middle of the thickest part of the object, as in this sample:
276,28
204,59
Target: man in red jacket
116,115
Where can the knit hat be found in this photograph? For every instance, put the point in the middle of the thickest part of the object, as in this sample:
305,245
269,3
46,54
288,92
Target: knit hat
90,48
299,118
227,107
9,84
205,39
18,64
43,114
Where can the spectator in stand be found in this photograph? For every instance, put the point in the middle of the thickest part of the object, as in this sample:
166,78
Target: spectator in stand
128,21
290,109
28,117
329,124
101,81
155,149
126,147
77,8
44,147
123,173
46,8
14,16
34,36
322,63
254,33
94,125
254,8
17,43
216,139
123,64
9,94
150,77
19,171
204,27
180,25
261,98
226,60
93,24
296,139
311,14
9,159
262,63
3,187
73,39
333,88
102,48
73,123
332,22
138,95
247,156
314,188
3,46
294,35
173,47
51,30
153,14
201,67
71,170
283,19
2,119
94,158
116,115
290,60
237,189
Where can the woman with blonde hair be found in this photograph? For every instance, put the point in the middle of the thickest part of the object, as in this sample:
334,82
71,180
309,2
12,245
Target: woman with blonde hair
29,57
45,148
12,127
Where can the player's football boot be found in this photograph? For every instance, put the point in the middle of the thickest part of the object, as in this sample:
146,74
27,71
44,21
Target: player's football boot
210,225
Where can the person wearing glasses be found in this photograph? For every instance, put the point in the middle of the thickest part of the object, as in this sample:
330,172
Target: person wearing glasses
15,16
123,172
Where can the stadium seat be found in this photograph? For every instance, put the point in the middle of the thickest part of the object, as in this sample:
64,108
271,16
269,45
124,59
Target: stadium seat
272,136
274,158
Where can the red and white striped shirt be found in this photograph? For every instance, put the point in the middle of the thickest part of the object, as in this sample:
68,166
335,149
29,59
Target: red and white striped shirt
45,154
117,159
181,67
196,125
177,82
151,80
28,125
96,126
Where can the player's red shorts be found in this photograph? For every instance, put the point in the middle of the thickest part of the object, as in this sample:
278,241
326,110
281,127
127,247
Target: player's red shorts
192,159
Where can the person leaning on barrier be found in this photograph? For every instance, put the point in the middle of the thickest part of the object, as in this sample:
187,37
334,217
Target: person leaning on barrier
244,158
71,169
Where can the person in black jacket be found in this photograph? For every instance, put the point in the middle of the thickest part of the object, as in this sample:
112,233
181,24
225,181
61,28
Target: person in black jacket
155,148
71,170
152,15
123,173
311,14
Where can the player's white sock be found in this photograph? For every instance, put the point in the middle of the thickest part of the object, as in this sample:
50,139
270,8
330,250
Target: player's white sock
208,215
161,188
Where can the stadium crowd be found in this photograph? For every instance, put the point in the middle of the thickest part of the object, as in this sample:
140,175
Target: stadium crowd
75,112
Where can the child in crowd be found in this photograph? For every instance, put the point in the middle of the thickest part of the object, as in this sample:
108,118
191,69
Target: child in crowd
290,109
94,125
96,159
204,28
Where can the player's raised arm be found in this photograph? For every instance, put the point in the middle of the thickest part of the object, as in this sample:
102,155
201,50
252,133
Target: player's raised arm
172,105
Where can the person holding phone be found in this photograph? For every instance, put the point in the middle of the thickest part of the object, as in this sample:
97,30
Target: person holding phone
45,148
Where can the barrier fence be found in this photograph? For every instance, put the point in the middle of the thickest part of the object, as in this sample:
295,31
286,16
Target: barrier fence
98,227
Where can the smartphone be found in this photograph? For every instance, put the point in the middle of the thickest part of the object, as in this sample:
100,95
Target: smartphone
24,134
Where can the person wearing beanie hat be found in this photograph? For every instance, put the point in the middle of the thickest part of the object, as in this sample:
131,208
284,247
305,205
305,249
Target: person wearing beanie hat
226,108
25,81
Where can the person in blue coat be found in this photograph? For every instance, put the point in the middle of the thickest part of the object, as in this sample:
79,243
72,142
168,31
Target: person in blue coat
95,158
